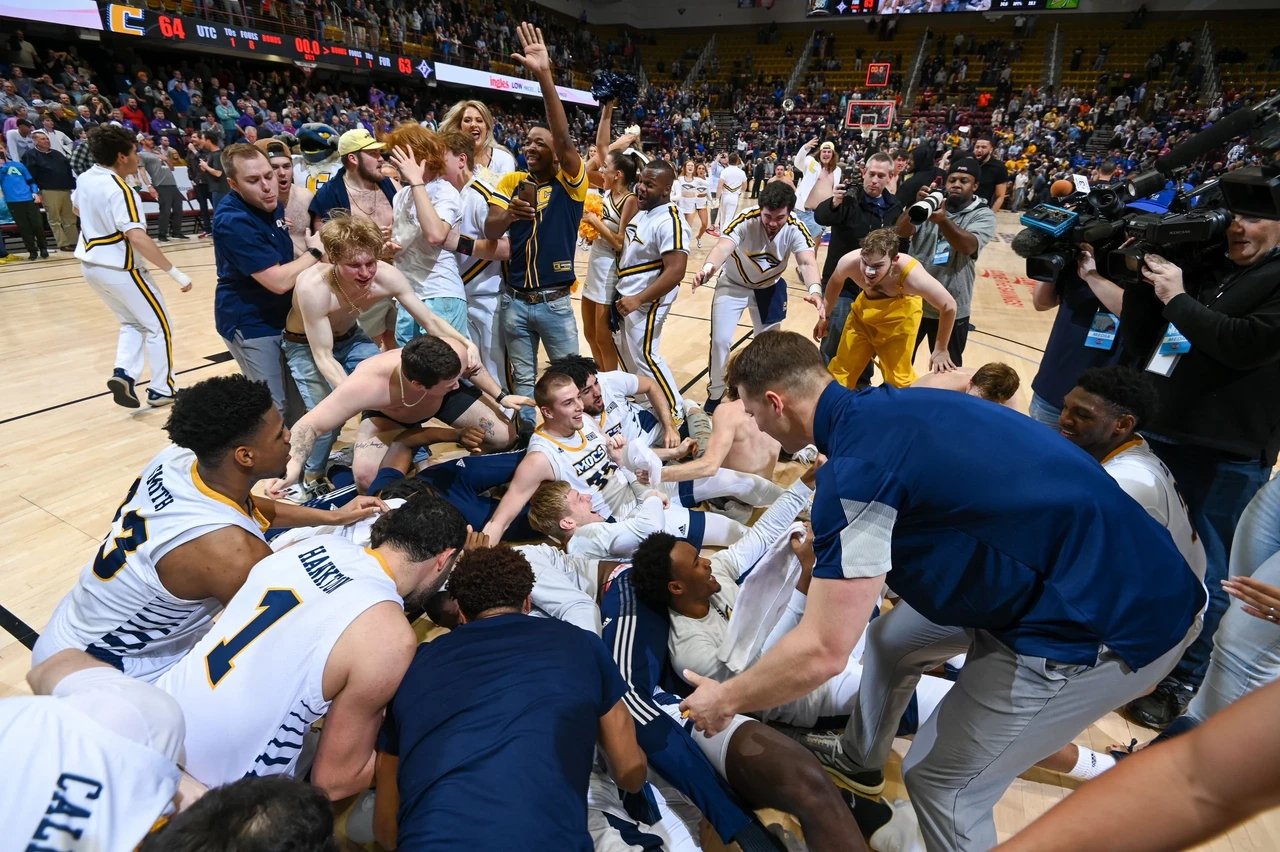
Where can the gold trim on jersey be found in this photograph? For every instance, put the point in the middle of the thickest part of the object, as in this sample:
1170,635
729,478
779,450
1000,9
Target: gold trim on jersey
470,274
1127,445
141,284
581,434
640,267
677,237
130,200
378,556
257,516
741,217
804,232
109,240
651,360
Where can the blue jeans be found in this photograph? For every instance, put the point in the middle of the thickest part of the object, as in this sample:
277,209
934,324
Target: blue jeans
835,327
815,230
314,387
451,310
1044,412
523,326
1217,490
1246,649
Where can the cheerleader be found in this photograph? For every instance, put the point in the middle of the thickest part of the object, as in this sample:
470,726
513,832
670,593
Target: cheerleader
615,171
703,187
685,193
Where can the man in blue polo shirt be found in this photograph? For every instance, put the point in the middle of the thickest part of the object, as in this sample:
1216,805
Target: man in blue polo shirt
256,268
490,739
1068,597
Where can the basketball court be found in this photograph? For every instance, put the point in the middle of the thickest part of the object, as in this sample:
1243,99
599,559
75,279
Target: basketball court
68,454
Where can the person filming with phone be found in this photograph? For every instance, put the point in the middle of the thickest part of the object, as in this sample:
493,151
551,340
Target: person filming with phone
947,240
539,210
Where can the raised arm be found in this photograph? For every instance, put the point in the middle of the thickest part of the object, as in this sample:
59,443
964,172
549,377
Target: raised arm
530,473
435,229
537,61
603,131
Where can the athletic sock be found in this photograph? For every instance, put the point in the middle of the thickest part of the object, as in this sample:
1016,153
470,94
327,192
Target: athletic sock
870,814
1091,764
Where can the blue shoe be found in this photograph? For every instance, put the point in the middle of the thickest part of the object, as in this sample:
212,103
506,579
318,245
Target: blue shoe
156,400
710,406
121,387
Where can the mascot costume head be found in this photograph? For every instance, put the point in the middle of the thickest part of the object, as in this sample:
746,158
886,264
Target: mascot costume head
319,158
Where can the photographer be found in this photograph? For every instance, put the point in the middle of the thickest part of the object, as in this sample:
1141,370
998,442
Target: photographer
852,212
948,244
1080,299
1218,424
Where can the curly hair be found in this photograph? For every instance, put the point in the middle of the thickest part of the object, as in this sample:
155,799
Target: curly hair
425,145
407,488
651,569
490,578
453,120
776,196
1124,390
267,812
213,417
580,368
107,142
422,528
882,242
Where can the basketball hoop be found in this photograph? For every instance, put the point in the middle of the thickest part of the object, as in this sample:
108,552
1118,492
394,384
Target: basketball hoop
307,67
868,123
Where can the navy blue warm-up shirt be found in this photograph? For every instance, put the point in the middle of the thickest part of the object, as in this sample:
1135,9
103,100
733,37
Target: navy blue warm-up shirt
992,521
495,725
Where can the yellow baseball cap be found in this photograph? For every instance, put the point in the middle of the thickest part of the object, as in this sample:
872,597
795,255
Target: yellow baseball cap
357,140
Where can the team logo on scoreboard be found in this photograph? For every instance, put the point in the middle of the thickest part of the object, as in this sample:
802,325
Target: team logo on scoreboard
126,20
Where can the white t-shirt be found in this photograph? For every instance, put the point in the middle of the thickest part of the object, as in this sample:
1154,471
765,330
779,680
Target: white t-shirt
431,270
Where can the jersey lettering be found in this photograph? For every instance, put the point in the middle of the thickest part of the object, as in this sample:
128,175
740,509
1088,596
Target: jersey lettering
275,605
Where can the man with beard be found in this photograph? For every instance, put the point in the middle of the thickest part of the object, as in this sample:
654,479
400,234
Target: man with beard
337,645
948,244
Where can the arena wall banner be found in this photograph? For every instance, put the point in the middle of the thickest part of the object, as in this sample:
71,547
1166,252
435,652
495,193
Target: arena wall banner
502,83
72,13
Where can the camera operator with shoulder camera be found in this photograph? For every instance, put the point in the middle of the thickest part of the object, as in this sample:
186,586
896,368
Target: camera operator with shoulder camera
947,244
1213,343
852,212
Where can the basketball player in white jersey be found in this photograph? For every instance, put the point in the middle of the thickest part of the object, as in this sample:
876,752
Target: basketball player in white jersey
606,397
186,534
396,393
316,630
654,257
565,515
569,447
733,180
760,244
113,243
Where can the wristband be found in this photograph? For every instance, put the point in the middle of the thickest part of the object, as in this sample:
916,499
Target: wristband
411,185
466,245
315,252
178,275
707,269
815,289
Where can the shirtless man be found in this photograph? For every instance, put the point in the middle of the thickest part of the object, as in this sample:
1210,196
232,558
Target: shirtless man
569,447
295,198
993,381
322,340
398,392
736,444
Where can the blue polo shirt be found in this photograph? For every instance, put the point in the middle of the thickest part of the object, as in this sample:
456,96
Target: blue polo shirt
495,725
248,240
991,521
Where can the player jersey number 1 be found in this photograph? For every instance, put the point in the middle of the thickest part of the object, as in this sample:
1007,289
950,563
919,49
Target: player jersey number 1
275,605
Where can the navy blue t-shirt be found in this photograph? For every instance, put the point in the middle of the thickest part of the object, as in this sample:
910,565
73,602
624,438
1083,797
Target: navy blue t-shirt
495,725
991,521
1065,355
248,240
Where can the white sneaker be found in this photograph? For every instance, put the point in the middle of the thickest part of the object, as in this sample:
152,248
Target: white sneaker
805,455
699,242
901,833
298,492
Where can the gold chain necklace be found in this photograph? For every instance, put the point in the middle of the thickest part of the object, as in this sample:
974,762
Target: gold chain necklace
333,282
399,371
364,193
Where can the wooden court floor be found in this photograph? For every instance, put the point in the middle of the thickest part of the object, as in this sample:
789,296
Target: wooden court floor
68,454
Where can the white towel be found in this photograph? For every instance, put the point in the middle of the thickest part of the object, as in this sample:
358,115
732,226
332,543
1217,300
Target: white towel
762,599
639,457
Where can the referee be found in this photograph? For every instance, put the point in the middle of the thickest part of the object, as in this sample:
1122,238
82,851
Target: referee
1067,596
113,243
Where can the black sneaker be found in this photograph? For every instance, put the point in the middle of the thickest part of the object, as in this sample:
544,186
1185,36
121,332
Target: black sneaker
162,239
710,405
1164,704
121,385
826,747
44,254
180,237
